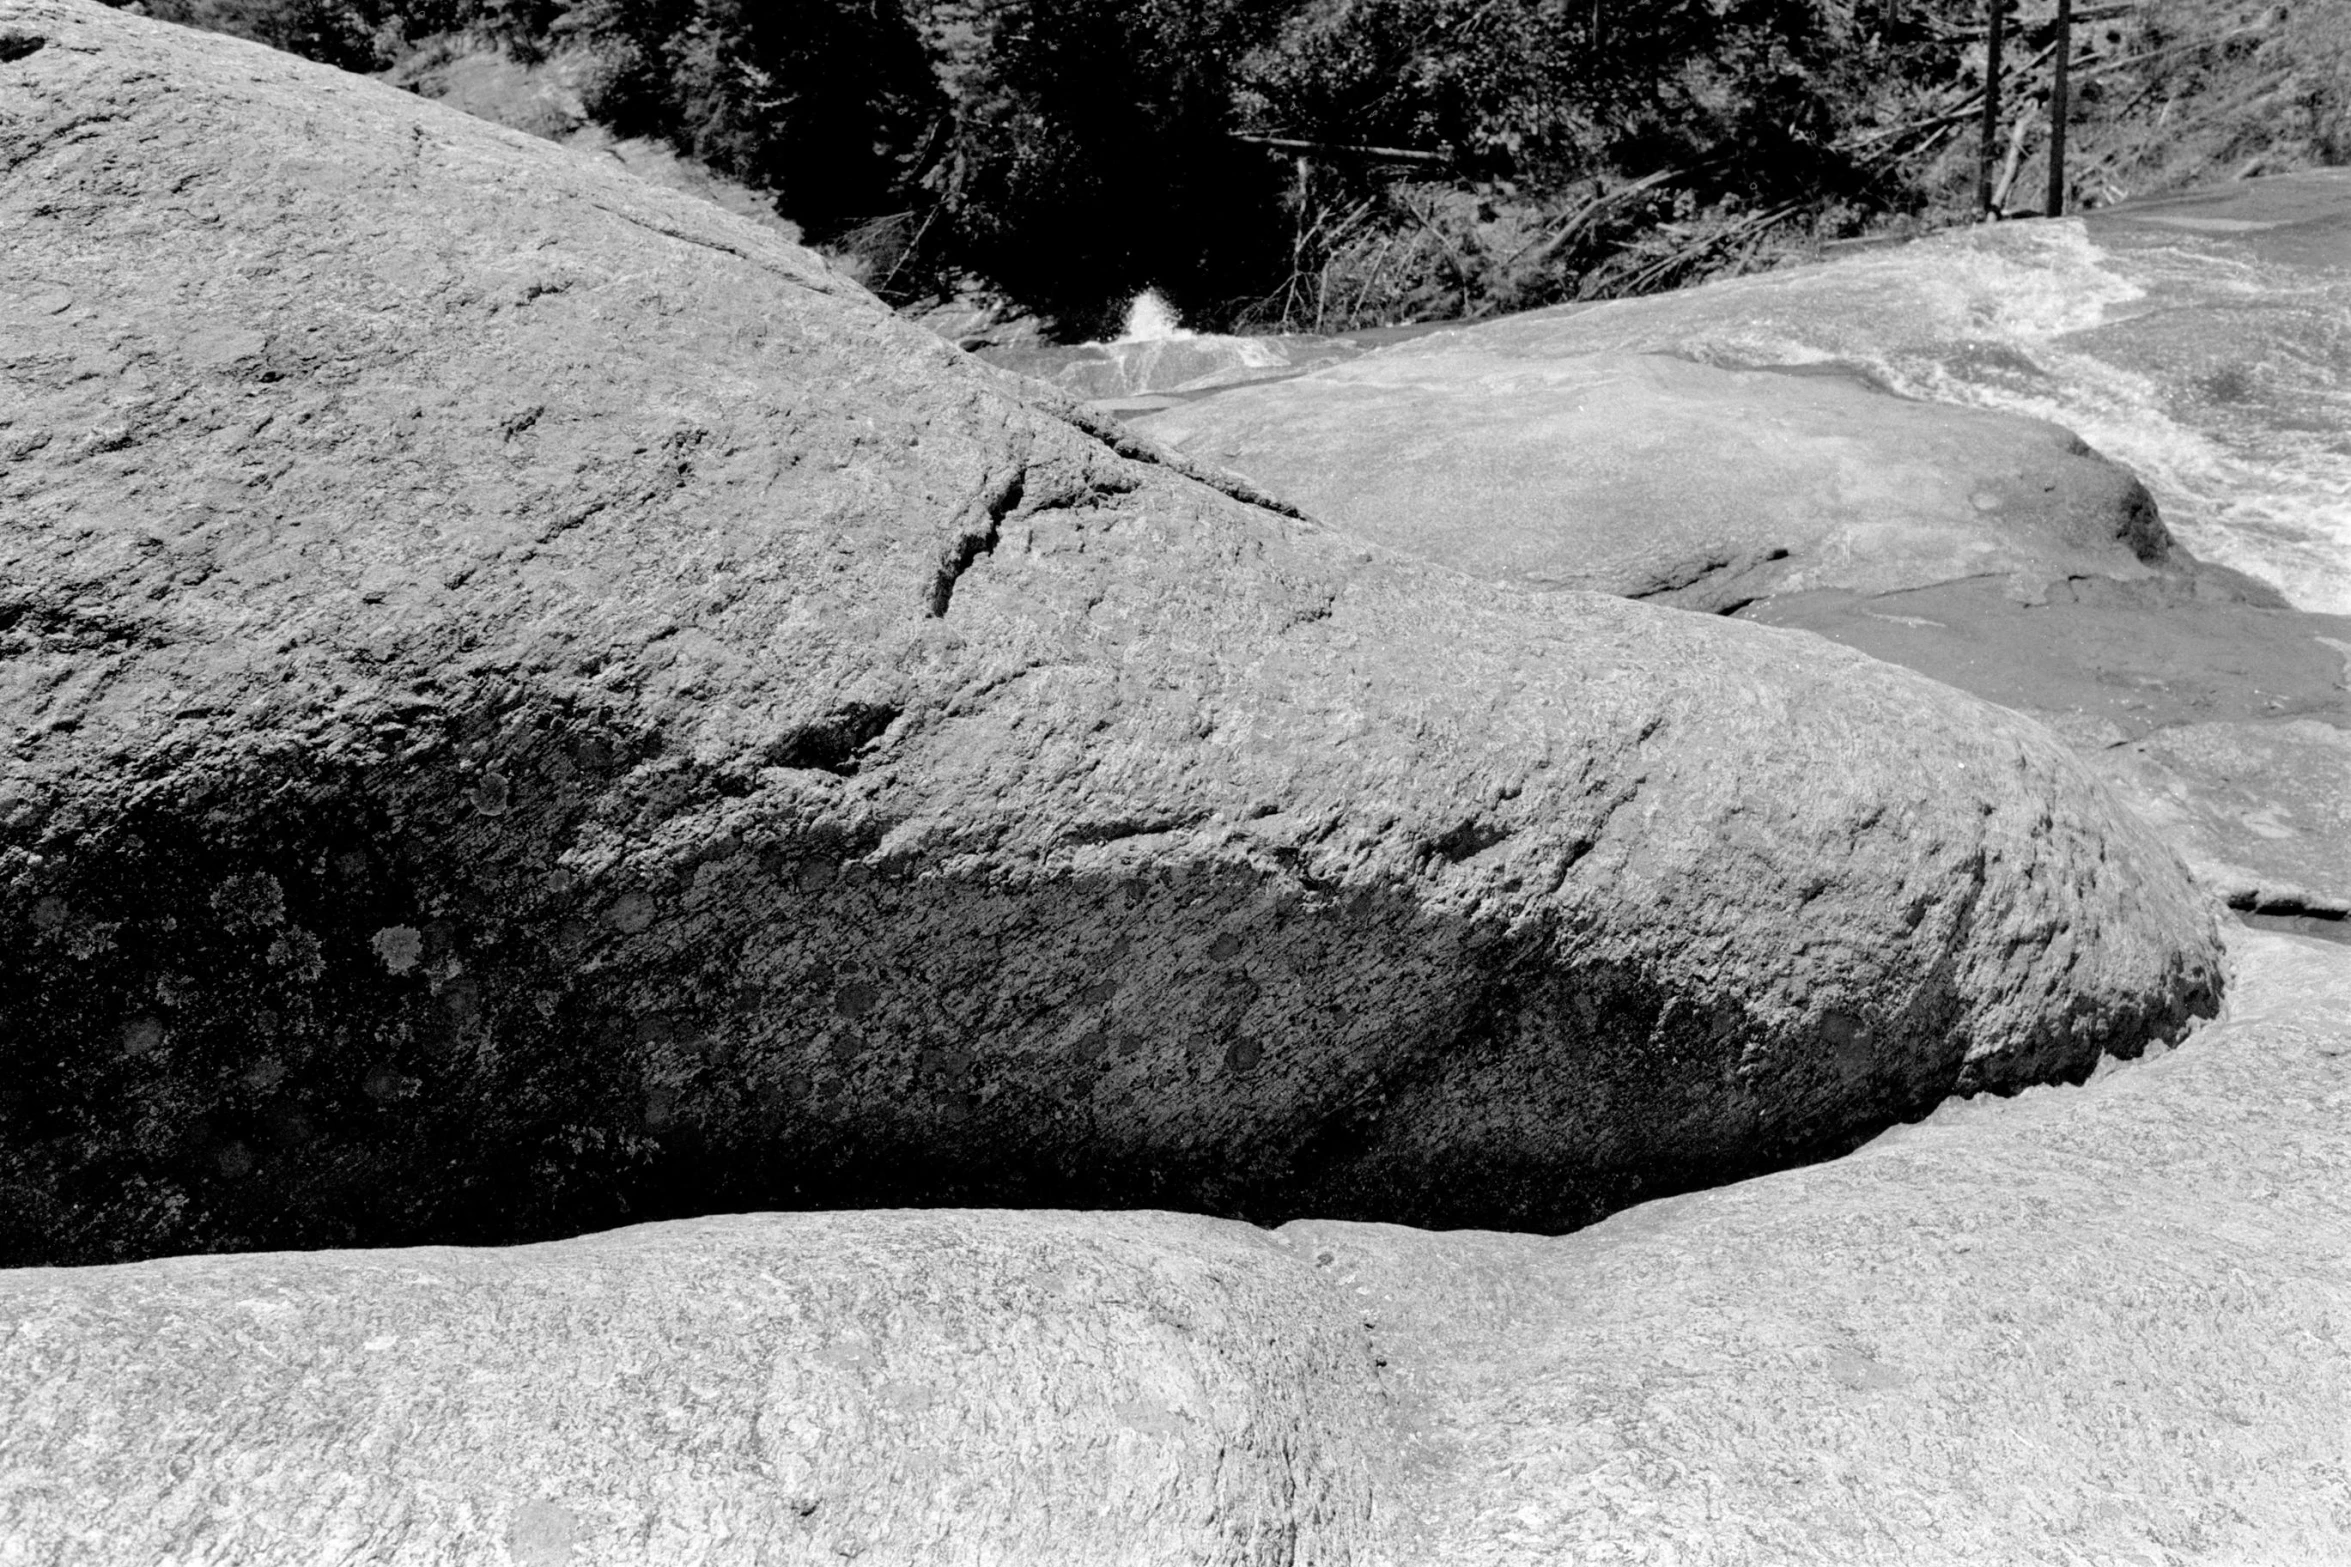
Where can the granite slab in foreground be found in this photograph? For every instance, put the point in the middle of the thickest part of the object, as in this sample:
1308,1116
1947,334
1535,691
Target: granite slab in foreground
2109,1323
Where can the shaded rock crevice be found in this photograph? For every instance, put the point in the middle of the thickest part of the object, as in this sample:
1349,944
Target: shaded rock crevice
1720,582
833,743
982,526
1123,442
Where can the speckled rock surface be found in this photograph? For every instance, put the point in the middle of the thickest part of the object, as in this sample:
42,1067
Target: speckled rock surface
536,706
889,1387
1660,478
2102,1324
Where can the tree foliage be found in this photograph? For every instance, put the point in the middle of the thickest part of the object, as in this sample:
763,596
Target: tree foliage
829,104
1339,163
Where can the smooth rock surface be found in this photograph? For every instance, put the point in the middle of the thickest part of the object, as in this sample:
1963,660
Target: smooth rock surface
2106,1324
1659,478
536,706
2098,655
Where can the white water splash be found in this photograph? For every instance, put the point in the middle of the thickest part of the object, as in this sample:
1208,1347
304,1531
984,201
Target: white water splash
1151,319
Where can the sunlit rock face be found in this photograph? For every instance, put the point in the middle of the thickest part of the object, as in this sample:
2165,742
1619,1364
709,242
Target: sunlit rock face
892,1387
2194,339
2200,339
535,705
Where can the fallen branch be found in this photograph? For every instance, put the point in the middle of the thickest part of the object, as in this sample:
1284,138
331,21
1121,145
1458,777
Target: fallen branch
1681,258
1582,218
1296,144
2015,160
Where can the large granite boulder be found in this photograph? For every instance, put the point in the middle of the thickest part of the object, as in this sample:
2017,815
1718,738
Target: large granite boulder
535,705
2100,1324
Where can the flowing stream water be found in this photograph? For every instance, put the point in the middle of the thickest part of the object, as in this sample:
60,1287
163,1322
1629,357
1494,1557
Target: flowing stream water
2221,377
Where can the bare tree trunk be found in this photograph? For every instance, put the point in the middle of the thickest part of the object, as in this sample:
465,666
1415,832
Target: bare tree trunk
2058,86
1995,21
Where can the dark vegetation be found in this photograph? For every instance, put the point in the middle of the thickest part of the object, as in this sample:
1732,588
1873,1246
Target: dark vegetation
1334,164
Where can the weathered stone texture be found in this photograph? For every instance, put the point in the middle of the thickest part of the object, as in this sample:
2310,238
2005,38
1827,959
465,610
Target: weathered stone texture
889,1387
1731,448
535,705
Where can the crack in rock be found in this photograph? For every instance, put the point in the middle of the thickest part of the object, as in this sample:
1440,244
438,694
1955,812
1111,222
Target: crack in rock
979,527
